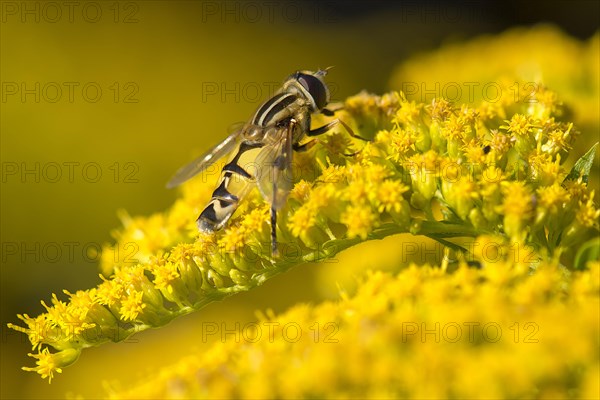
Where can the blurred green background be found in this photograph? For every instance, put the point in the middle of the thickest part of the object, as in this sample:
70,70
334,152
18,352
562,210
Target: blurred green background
103,101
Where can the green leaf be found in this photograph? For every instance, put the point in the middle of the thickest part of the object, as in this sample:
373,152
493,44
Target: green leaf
589,251
447,243
583,166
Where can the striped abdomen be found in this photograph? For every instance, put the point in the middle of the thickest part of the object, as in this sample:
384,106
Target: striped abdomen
235,182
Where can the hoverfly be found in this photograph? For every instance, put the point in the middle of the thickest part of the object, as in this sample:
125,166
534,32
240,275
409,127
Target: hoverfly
263,151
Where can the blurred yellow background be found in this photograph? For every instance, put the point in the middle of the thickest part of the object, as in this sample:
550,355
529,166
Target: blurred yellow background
103,101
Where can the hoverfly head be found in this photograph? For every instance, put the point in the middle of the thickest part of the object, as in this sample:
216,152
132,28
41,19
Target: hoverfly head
311,86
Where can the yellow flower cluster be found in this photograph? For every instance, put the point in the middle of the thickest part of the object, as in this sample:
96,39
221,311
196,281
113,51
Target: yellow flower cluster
512,64
432,169
494,332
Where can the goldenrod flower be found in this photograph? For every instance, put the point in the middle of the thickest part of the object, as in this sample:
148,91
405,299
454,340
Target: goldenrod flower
456,127
518,209
132,306
588,214
388,196
490,332
301,191
553,198
48,364
434,169
517,69
403,142
408,112
303,219
520,125
460,193
360,221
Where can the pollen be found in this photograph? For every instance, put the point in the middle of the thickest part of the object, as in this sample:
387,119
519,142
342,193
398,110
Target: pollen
474,152
389,196
302,220
254,221
37,328
57,310
559,139
456,127
519,124
517,200
109,291
233,239
322,196
553,198
334,174
409,112
469,115
544,169
301,191
460,193
132,306
375,173
164,275
500,142
70,317
46,365
356,192
577,189
517,208
403,142
361,103
82,299
466,187
440,109
131,275
360,221
588,215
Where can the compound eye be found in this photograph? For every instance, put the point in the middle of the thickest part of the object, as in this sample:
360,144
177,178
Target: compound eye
315,87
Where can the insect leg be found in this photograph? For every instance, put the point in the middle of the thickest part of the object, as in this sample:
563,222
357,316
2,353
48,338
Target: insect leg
274,250
322,129
304,147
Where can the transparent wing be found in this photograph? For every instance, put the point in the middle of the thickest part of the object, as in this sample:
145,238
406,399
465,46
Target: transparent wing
204,161
274,169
